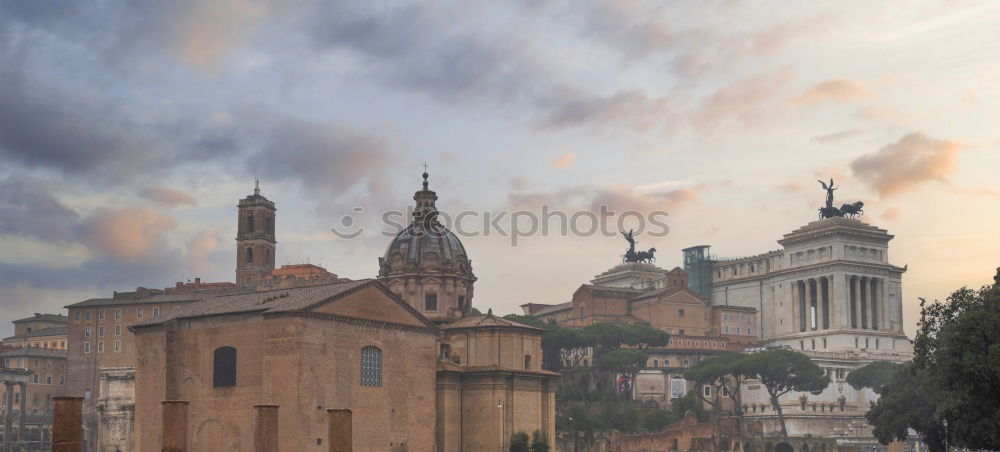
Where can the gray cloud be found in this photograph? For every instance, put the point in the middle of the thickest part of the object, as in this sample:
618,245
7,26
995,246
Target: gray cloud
29,209
168,196
835,136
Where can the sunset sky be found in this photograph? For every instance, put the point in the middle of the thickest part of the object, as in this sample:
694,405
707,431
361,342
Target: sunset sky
129,130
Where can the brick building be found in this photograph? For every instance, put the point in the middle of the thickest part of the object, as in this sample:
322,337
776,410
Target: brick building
38,349
402,352
643,293
39,330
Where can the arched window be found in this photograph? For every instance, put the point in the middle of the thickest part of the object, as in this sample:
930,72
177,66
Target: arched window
527,362
371,366
249,223
583,311
250,255
224,367
267,257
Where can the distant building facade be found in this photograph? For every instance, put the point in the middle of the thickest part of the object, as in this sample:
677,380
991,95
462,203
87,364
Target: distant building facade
644,293
38,350
829,292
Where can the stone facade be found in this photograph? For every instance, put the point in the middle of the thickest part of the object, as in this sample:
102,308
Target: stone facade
426,264
831,293
116,409
643,293
491,384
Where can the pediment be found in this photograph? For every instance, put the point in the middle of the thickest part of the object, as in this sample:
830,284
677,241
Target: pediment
372,303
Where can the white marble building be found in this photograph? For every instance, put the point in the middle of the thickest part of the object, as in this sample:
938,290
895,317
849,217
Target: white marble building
832,293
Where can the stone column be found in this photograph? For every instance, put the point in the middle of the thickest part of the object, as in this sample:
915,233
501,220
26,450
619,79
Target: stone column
803,307
339,432
174,428
22,387
855,300
824,284
794,302
67,424
838,312
265,434
864,309
8,416
812,288
875,304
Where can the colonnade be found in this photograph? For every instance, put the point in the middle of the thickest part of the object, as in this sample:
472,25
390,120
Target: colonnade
817,304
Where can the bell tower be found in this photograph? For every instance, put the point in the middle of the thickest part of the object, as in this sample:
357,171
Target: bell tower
255,243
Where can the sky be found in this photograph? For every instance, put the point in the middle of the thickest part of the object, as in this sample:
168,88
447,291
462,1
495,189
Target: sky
129,130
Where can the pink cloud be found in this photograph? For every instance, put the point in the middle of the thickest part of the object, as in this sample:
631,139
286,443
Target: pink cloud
892,213
833,90
564,161
907,163
130,234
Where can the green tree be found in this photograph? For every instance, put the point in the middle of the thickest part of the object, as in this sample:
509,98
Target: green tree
958,348
726,375
539,441
904,404
625,361
690,402
519,442
657,419
873,376
782,371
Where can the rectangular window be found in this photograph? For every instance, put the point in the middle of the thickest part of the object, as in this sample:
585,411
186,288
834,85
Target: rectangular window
680,313
100,346
430,302
36,363
118,346
708,391
681,332
86,347
76,315
156,312
118,314
86,331
118,330
48,379
100,314
86,315
138,313
100,331
34,379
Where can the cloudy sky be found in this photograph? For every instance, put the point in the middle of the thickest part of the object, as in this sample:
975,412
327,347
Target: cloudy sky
128,131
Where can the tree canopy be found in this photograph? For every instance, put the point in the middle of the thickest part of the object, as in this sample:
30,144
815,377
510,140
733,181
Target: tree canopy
957,350
904,404
559,341
873,376
782,371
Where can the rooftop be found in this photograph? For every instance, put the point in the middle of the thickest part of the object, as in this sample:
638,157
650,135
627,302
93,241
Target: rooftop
38,317
55,331
486,320
268,301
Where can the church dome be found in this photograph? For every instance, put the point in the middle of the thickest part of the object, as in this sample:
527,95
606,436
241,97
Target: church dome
426,244
426,248
427,266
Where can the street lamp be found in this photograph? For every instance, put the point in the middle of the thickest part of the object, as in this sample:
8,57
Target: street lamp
945,422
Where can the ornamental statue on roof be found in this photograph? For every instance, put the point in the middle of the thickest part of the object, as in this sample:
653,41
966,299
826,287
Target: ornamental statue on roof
633,256
845,210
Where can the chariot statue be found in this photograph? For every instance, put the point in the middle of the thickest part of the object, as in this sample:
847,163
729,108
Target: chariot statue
846,210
